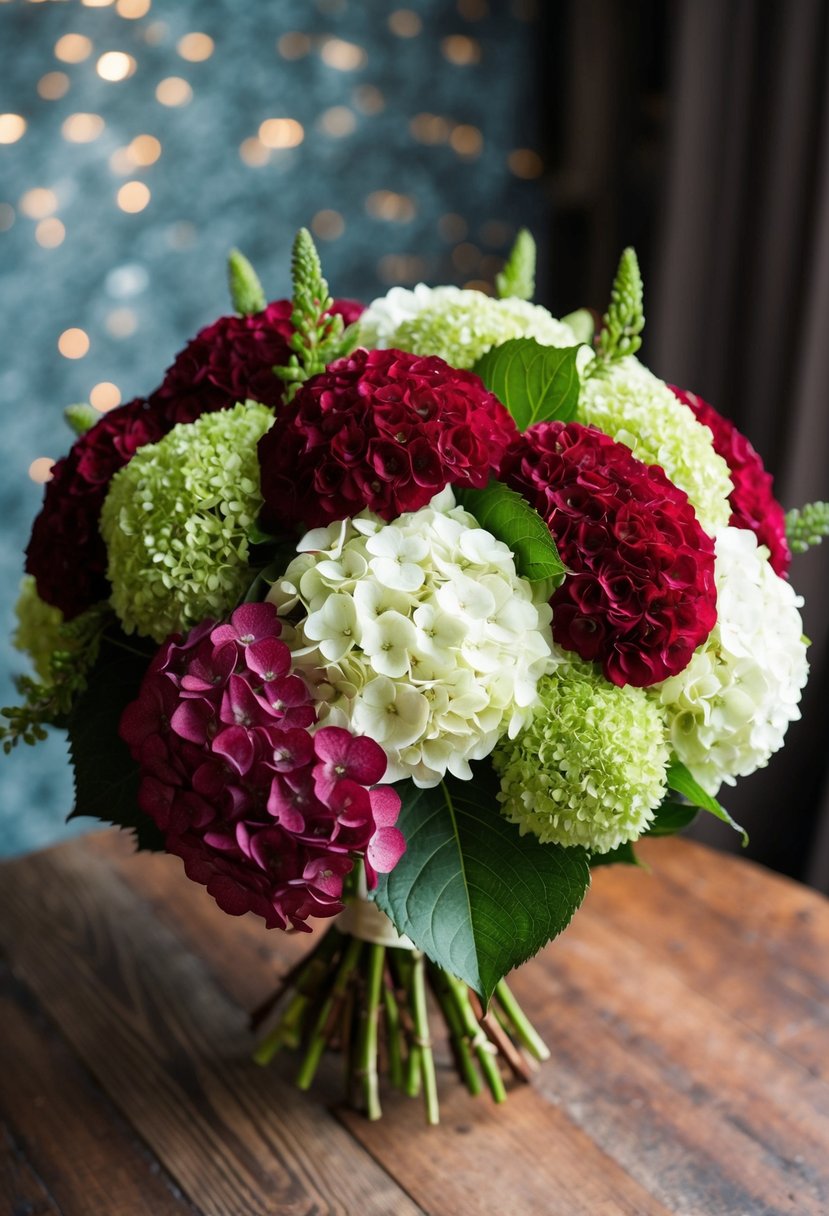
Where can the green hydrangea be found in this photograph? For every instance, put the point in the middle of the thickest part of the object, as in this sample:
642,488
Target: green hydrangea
176,522
628,402
589,768
39,633
457,324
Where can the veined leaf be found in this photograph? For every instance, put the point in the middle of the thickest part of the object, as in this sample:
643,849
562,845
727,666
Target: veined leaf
536,383
471,893
510,518
681,781
671,817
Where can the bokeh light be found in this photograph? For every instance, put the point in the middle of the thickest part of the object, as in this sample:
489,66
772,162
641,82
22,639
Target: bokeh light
12,128
82,128
195,47
115,65
174,91
40,470
341,55
73,343
73,48
281,133
105,396
53,86
50,233
133,197
38,203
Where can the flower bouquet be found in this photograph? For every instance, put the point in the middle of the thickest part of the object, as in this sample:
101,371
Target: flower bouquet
409,616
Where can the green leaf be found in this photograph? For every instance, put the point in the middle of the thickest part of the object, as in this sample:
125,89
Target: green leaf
681,782
582,324
807,525
245,289
517,279
471,893
623,854
671,817
81,416
511,519
106,776
536,383
624,320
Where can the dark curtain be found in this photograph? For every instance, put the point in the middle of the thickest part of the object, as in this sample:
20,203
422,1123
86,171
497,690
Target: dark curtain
699,132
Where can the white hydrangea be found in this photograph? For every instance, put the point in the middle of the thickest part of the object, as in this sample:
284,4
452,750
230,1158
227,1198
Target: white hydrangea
419,633
456,323
729,709
635,407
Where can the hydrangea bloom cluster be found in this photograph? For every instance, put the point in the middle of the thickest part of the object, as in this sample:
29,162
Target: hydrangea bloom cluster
728,711
639,596
40,630
589,768
752,500
66,552
176,520
458,324
418,633
233,360
383,430
632,405
266,814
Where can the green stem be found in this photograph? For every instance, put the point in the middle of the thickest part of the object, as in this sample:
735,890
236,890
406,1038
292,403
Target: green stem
458,1039
319,1038
423,1038
393,1034
477,1038
367,1053
524,1029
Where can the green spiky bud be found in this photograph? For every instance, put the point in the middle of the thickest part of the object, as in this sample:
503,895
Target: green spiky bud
517,279
624,320
318,333
245,289
807,525
81,416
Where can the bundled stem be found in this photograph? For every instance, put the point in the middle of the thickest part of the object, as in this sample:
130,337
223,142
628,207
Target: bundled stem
370,1001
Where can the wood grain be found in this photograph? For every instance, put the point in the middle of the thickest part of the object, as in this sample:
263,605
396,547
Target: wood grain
686,1011
21,1191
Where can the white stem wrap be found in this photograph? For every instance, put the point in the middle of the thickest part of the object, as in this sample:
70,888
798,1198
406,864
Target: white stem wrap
364,920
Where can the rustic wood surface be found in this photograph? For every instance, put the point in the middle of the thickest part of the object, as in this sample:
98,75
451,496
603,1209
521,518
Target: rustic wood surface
687,1011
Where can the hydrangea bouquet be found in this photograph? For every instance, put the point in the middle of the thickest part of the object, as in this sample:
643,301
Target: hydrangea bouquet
409,616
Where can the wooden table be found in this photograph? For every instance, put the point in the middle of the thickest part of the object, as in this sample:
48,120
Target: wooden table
687,1011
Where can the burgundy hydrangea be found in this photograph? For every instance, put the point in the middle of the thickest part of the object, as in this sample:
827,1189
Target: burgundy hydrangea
233,359
229,361
268,815
382,429
753,504
66,553
640,594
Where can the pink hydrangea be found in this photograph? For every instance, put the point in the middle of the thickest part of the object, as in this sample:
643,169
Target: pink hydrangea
266,812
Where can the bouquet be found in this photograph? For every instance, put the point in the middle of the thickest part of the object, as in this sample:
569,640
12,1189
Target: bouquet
409,616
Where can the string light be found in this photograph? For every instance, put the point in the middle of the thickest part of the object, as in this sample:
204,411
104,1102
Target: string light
196,47
281,133
53,85
526,163
253,152
402,268
144,150
405,23
50,233
368,99
115,66
328,225
466,140
73,343
337,121
293,45
341,55
38,203
173,91
96,3
155,33
430,128
461,50
452,227
386,205
73,48
466,257
133,9
473,10
40,470
12,128
121,322
82,128
133,197
105,396
121,161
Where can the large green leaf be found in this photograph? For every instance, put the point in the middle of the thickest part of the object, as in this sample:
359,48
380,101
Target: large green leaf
681,782
474,895
623,854
671,817
510,518
106,776
536,383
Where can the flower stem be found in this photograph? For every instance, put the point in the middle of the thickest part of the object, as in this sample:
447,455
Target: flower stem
458,1039
423,1038
478,1040
367,1050
524,1029
393,1033
319,1034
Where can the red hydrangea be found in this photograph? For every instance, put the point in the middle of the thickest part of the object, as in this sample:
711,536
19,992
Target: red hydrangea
381,429
229,361
233,359
264,812
66,553
640,594
753,504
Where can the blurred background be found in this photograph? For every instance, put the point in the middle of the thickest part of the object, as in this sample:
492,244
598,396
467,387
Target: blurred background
141,139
